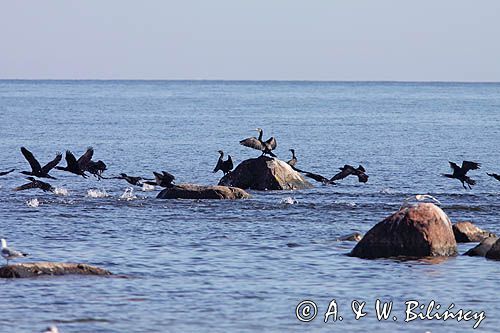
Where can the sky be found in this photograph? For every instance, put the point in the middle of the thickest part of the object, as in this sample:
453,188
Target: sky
386,40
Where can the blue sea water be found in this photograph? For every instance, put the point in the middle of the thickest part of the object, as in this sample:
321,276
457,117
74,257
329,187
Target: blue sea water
243,266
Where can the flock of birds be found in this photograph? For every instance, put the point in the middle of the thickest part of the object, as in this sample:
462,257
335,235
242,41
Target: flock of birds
164,179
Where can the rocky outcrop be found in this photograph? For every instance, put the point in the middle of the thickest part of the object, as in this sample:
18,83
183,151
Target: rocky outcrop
466,232
265,173
482,248
494,252
417,231
191,191
27,270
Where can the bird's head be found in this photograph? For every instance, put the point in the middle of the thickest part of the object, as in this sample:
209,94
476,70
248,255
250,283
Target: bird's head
292,150
258,129
220,152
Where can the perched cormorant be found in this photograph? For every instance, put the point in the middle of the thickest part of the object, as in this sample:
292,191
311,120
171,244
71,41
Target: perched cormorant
265,147
3,173
138,181
293,161
226,166
96,168
460,172
163,179
9,254
36,169
78,167
34,183
347,170
494,175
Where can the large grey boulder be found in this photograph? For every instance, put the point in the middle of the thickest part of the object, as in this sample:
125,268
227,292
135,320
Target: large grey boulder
34,269
265,173
494,252
416,231
466,232
192,191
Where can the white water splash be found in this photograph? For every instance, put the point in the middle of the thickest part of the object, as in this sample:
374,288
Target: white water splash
345,203
61,191
95,193
34,203
288,201
128,194
147,187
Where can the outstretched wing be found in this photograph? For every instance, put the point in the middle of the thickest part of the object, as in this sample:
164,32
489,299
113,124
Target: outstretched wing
51,165
6,172
360,168
272,142
345,171
26,186
85,158
316,177
454,167
252,142
229,162
494,175
35,166
219,165
468,165
168,176
71,159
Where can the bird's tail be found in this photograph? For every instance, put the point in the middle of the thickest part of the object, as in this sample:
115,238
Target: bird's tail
470,181
447,175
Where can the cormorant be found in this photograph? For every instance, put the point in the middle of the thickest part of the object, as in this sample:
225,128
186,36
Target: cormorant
34,183
460,172
226,166
347,170
78,167
96,168
319,178
293,161
138,181
3,173
265,147
36,169
9,254
163,179
494,175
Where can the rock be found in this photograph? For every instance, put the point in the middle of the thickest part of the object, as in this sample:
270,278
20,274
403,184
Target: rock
34,269
466,232
417,231
482,248
494,252
265,173
191,191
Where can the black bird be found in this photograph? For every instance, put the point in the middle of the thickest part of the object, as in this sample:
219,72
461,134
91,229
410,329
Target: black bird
319,178
348,170
34,183
96,168
36,169
494,175
138,181
460,173
226,166
293,161
78,167
265,147
163,179
3,173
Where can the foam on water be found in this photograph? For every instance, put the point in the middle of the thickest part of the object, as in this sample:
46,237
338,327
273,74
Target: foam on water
95,193
288,201
61,191
34,203
147,187
128,194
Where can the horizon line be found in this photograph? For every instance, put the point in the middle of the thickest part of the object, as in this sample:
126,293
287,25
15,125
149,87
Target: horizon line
256,80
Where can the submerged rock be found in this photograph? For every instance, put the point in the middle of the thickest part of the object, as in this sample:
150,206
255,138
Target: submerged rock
353,237
482,248
191,191
34,269
265,173
466,232
417,231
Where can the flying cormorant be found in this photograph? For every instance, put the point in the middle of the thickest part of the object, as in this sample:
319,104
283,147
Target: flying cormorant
36,169
265,147
78,167
348,170
137,181
226,166
494,175
460,172
34,183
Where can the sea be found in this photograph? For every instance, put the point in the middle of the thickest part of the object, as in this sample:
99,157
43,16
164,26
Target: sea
244,265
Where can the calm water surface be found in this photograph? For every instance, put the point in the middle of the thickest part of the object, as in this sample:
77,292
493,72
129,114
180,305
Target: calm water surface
242,266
